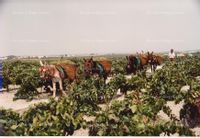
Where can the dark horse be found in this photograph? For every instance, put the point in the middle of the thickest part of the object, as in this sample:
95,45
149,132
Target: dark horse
133,64
58,73
101,68
136,63
154,60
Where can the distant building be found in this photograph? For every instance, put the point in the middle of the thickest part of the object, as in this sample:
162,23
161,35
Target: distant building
181,55
11,57
3,58
190,54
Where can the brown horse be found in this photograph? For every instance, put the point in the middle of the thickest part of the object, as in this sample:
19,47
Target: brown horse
139,62
101,68
154,60
136,63
143,60
57,73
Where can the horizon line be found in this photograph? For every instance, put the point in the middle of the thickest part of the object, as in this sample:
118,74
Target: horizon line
92,53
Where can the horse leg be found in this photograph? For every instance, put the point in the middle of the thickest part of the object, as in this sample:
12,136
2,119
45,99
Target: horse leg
141,67
152,68
104,78
155,66
134,71
54,89
61,87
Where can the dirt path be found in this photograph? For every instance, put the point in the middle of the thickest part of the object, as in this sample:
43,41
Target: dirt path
6,102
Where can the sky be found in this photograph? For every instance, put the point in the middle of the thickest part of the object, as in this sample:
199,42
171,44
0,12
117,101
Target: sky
52,27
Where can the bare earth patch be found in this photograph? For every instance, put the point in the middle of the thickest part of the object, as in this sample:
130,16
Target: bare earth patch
6,102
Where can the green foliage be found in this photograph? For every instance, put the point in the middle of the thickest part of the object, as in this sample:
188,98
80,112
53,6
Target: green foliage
55,118
86,94
7,68
89,93
167,83
118,66
10,121
29,85
126,119
137,82
24,74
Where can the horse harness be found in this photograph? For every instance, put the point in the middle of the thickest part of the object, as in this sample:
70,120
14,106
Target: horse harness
136,62
98,67
51,70
61,70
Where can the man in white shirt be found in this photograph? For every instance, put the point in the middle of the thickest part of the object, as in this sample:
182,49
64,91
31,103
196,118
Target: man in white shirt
172,55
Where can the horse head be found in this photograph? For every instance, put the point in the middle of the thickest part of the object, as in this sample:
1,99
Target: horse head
45,71
150,57
88,66
130,60
130,63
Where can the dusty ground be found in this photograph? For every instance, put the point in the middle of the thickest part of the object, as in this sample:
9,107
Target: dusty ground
6,102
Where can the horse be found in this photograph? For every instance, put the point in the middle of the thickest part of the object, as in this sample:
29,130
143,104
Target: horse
144,60
58,73
133,64
136,63
101,68
154,60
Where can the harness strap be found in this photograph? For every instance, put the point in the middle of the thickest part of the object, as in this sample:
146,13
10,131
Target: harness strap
100,67
61,70
136,62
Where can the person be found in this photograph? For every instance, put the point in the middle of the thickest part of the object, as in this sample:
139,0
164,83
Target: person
172,55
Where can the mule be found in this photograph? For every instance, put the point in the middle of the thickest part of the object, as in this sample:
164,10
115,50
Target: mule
101,68
154,60
58,73
136,63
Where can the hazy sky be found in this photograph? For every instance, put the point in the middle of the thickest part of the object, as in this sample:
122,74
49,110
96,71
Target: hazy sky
43,27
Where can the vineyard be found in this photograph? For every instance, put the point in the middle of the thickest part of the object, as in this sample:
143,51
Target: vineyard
133,112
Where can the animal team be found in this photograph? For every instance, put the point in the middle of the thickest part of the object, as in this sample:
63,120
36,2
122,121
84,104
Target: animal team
57,73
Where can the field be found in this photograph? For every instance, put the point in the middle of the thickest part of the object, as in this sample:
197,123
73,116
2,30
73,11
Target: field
146,104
